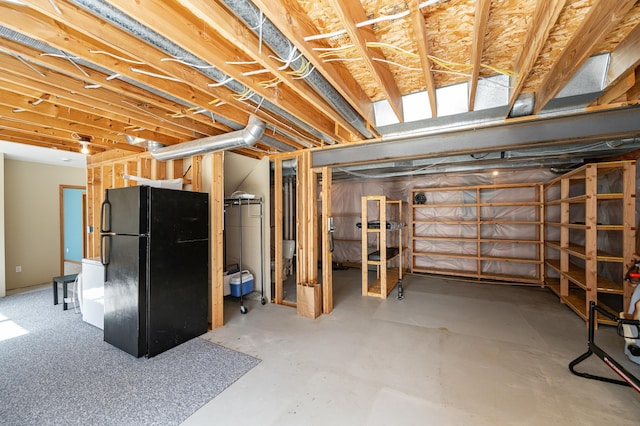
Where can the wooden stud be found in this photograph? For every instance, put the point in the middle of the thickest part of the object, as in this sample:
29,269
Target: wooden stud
216,206
327,261
278,233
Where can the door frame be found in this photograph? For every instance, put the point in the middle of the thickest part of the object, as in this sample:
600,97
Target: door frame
61,189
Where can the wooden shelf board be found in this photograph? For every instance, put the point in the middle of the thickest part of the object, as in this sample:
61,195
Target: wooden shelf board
553,284
553,244
575,250
457,239
576,199
610,227
510,278
448,205
507,241
578,276
439,271
509,259
445,255
508,222
554,263
578,304
375,288
511,204
445,222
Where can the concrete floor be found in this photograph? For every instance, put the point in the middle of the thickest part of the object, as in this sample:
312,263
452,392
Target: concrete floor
450,353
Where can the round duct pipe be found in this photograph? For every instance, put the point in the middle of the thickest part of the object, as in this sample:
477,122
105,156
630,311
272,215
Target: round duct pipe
248,136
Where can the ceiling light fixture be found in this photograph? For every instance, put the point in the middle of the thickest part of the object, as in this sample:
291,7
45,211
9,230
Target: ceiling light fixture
85,147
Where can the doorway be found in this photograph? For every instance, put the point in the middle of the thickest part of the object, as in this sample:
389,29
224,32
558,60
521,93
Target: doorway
73,230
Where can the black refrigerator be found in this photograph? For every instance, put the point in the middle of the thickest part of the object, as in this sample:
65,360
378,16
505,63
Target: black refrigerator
154,243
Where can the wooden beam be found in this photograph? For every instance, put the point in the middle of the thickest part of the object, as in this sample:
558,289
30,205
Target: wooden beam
603,16
112,40
544,18
77,43
625,57
59,81
422,40
61,124
216,225
186,31
615,91
38,90
477,46
293,22
327,260
234,30
278,232
351,13
76,121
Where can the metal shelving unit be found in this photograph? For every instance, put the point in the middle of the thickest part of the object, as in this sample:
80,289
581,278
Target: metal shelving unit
242,203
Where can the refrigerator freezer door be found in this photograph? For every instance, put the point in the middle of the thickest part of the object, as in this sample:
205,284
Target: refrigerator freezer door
124,295
178,268
127,211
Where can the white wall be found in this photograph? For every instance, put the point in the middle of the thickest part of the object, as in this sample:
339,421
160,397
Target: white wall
32,220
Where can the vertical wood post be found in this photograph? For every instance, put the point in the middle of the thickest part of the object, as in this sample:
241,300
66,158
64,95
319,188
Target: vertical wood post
216,223
327,261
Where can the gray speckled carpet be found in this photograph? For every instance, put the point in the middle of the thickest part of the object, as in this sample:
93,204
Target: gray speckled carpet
58,370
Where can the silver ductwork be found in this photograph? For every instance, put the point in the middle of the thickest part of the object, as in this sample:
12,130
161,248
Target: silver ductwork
238,139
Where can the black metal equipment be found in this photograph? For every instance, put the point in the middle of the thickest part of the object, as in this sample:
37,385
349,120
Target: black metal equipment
628,378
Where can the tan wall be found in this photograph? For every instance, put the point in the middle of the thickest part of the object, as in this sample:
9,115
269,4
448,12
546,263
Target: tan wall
32,218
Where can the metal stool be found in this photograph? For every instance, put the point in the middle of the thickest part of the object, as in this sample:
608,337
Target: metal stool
64,280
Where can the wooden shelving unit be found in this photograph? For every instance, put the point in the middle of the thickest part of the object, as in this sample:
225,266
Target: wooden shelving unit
473,232
389,267
590,235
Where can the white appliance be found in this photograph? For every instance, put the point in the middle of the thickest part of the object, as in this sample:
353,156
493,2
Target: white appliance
92,292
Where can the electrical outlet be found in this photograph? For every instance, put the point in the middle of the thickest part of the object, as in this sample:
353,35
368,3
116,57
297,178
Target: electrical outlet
18,268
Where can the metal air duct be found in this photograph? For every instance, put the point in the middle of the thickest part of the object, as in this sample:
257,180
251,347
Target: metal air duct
238,139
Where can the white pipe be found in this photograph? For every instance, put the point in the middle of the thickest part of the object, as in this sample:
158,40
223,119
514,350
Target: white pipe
238,139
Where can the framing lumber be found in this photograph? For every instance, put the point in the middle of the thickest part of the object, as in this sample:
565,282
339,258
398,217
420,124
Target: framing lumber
351,13
477,45
295,23
600,20
625,58
216,206
327,261
422,40
544,18
231,28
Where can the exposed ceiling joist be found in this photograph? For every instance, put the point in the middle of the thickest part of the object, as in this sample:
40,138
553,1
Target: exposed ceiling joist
185,70
477,46
364,39
544,18
600,20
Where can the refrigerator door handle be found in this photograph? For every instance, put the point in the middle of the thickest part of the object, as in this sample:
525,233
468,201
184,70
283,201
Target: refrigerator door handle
105,214
105,252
